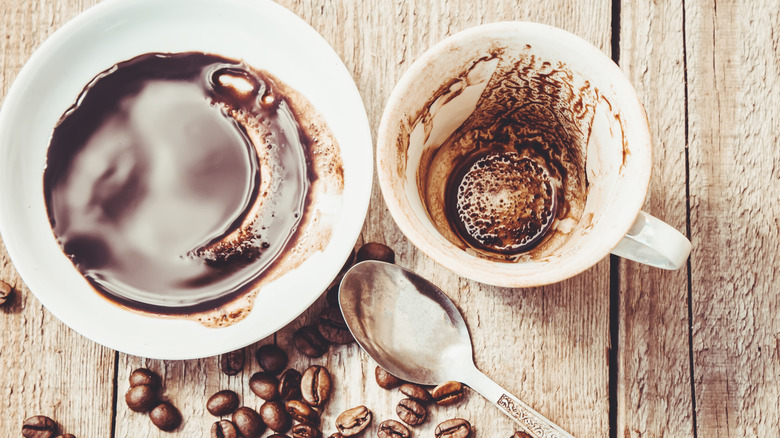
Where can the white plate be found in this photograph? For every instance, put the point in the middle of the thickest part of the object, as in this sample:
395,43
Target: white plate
260,32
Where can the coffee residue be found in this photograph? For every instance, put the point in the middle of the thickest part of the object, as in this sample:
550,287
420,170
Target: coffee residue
179,183
510,182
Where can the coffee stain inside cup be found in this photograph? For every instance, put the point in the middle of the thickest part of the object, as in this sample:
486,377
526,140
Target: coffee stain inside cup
502,173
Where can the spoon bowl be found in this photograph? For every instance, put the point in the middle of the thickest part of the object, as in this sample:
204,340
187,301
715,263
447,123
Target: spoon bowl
415,332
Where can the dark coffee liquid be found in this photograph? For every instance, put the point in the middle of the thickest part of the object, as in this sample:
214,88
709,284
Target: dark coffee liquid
176,180
501,202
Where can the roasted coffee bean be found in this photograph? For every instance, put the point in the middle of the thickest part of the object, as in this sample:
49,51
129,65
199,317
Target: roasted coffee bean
144,376
301,412
386,380
264,385
224,429
332,295
416,392
290,385
275,416
67,435
304,430
315,385
271,358
141,398
165,416
310,342
454,428
248,422
336,435
232,363
352,421
222,403
348,264
519,434
333,328
375,251
411,412
39,426
6,291
392,429
278,435
448,393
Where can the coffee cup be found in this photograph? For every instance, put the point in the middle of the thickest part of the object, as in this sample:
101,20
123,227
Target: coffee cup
517,154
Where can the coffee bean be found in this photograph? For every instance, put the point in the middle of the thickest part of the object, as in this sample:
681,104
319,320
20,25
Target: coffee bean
448,393
386,380
519,434
375,251
454,428
411,412
275,416
141,398
290,385
248,422
416,392
144,376
305,431
336,435
39,426
392,429
348,264
352,421
232,363
264,385
310,342
222,403
332,295
301,412
67,435
315,385
6,291
333,328
165,416
271,358
224,429
278,435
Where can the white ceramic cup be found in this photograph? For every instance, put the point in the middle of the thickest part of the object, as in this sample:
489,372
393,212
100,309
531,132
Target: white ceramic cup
442,89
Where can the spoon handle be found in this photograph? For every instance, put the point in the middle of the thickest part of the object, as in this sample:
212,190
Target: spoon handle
534,423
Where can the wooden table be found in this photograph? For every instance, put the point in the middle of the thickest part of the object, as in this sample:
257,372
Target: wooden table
621,350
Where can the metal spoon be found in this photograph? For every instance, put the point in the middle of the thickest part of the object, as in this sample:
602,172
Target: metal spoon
413,330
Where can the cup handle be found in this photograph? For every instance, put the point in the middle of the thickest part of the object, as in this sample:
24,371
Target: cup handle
654,242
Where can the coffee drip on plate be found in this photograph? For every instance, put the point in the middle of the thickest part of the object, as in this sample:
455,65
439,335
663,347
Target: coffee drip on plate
176,181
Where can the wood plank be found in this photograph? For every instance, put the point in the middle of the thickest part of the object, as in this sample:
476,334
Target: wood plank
654,387
547,345
734,108
47,368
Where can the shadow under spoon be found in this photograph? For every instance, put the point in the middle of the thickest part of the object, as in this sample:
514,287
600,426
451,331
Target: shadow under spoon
415,332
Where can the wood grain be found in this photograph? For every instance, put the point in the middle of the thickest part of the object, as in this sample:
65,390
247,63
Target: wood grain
734,112
48,368
654,390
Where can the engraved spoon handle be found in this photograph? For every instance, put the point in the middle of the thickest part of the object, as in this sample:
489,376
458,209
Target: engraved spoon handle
534,423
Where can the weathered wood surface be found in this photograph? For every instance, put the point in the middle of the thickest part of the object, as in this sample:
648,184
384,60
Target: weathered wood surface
550,346
733,64
654,391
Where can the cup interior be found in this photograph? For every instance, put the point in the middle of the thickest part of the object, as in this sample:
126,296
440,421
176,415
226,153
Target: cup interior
601,119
